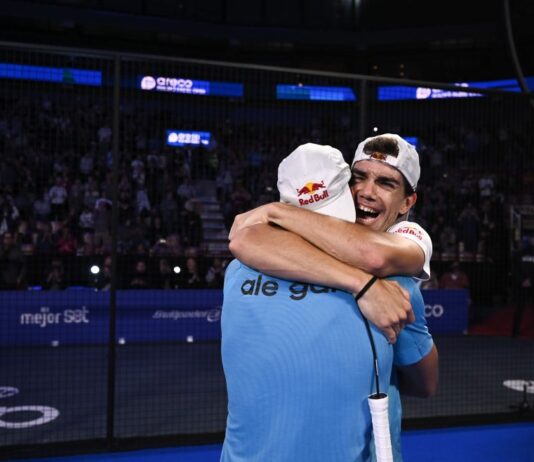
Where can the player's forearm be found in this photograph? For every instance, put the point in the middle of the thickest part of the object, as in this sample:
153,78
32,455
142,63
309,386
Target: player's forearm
420,379
378,253
279,253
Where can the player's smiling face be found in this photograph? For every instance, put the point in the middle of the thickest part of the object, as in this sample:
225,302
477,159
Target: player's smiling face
379,196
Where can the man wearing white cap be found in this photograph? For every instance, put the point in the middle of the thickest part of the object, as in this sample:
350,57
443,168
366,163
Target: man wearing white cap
296,356
385,173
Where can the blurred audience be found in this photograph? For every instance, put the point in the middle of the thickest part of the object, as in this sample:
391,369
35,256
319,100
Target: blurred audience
56,189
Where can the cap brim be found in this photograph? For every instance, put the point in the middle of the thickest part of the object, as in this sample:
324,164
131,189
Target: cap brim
342,207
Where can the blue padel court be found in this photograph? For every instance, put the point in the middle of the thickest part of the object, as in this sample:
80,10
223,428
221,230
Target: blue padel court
496,443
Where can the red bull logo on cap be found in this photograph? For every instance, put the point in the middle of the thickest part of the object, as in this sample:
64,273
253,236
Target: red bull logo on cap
311,189
379,156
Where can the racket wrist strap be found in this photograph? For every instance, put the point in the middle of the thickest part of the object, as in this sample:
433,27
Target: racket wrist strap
366,287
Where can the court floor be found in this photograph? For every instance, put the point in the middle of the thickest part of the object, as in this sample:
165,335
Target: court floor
495,443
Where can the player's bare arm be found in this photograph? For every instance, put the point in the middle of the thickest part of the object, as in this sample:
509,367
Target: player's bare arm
379,253
386,304
420,379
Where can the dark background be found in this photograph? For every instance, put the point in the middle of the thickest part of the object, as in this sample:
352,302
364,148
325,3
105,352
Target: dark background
443,41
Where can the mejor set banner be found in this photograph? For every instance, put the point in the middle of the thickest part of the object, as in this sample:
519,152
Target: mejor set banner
82,317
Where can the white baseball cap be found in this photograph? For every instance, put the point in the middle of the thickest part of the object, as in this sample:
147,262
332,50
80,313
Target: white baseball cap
406,161
316,178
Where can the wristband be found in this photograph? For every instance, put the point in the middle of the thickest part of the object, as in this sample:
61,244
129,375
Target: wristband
365,288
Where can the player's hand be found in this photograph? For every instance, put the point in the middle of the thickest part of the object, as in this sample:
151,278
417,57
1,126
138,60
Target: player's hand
250,218
387,305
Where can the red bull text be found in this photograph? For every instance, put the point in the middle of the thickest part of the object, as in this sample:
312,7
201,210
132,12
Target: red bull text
314,198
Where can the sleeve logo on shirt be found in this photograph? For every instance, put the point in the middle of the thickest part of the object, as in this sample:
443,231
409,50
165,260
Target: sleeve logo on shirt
410,230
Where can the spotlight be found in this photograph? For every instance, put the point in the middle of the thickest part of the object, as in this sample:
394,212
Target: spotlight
177,269
375,129
95,269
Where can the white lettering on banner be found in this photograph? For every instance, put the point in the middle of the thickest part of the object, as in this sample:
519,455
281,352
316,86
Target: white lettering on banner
213,315
45,317
435,311
432,93
148,83
47,415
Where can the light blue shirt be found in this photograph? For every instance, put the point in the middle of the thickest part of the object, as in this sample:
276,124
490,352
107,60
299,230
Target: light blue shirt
413,344
299,368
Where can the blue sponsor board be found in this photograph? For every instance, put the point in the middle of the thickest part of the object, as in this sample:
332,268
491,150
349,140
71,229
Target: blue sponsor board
51,74
401,92
188,86
314,93
446,311
82,317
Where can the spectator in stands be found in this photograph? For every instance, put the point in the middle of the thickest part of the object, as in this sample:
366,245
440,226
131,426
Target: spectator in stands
91,193
102,225
104,133
169,210
43,238
139,279
486,186
140,249
9,214
55,276
155,230
23,200
12,267
224,183
167,278
24,237
138,171
58,198
42,207
86,164
454,278
103,279
66,242
191,226
87,247
86,221
126,208
192,277
468,228
76,196
447,241
215,274
241,198
174,245
142,201
186,190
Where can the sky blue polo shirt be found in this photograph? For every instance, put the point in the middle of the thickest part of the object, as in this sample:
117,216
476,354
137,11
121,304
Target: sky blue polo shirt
299,368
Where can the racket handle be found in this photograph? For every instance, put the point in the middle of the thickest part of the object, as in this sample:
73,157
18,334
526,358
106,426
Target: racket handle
378,404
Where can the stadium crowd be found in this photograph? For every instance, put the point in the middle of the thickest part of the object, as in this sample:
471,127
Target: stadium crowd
56,189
